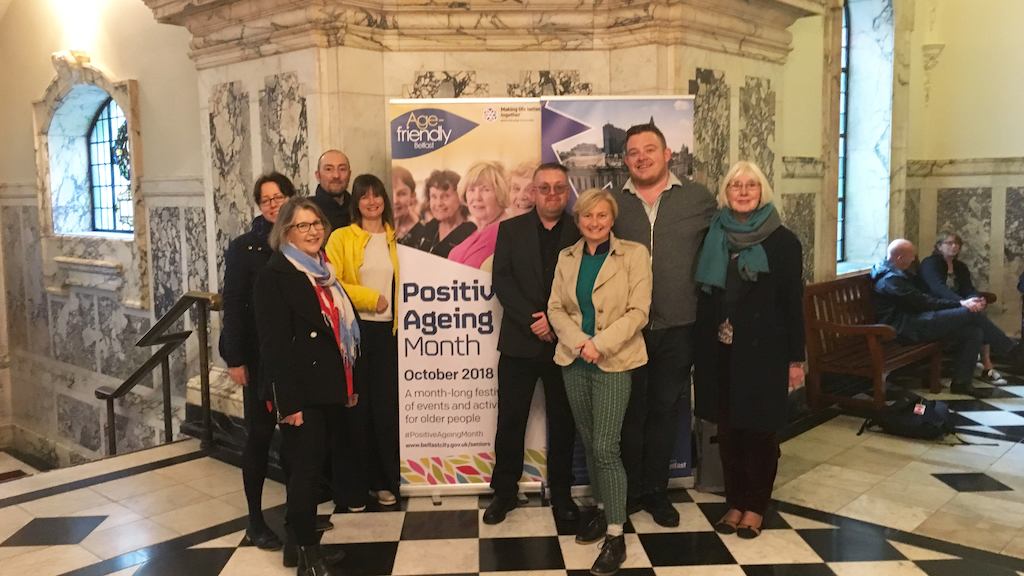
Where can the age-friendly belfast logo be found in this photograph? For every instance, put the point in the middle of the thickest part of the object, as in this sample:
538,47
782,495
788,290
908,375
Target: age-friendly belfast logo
425,130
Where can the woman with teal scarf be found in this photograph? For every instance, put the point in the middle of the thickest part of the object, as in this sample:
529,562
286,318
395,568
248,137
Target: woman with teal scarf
749,340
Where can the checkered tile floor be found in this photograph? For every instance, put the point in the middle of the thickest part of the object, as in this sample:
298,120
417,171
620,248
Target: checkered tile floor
450,538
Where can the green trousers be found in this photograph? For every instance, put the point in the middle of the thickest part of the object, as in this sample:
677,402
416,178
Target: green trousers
598,401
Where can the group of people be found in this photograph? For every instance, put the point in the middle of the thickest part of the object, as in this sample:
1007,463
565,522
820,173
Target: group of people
935,300
610,307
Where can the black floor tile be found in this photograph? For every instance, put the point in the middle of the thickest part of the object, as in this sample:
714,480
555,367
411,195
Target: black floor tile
506,554
54,531
788,570
680,495
997,392
194,562
714,511
367,559
623,572
961,568
971,405
850,545
1016,432
442,524
961,420
686,549
972,482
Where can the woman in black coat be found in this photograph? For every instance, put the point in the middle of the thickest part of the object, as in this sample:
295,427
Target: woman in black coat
239,347
945,276
749,340
309,341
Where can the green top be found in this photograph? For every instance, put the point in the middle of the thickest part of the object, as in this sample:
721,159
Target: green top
590,266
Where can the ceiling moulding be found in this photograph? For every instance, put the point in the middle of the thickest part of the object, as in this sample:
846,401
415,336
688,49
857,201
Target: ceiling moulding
227,31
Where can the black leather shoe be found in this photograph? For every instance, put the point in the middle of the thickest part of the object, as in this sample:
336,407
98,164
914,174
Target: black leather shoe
263,538
663,512
313,562
323,524
498,508
566,511
593,530
290,557
613,554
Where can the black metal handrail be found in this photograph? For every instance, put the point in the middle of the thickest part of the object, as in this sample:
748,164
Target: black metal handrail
207,301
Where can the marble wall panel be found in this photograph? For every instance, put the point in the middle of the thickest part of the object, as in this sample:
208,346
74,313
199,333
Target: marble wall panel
284,131
1013,244
14,276
798,216
69,184
75,333
447,84
231,158
195,240
79,422
119,331
36,300
537,83
757,124
711,126
165,245
912,215
133,434
968,212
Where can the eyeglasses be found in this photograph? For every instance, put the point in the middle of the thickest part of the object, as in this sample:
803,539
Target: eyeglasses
547,190
279,199
737,186
305,227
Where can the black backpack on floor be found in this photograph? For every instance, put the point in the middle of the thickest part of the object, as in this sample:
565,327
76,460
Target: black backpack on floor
912,416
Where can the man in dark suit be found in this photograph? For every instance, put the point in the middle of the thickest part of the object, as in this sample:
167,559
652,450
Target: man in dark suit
333,172
524,266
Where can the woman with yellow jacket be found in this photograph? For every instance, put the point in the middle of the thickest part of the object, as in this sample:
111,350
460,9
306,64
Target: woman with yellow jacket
366,257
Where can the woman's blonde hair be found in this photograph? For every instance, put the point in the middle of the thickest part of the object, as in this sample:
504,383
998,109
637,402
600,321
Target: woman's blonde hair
286,215
744,166
592,197
486,172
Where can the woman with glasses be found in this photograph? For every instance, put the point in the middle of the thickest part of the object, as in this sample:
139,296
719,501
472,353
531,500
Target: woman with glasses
365,254
309,341
748,340
239,347
946,276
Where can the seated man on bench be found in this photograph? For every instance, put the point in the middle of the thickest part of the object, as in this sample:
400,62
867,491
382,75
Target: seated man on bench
919,317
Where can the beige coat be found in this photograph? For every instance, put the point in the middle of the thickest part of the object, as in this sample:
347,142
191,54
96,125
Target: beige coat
622,300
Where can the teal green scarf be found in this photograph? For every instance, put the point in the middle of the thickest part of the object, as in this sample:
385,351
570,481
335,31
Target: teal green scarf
726,235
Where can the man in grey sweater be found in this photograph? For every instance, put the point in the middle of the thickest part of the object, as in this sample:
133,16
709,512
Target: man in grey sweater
670,217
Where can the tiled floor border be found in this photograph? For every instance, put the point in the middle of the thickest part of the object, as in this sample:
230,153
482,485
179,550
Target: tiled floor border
99,479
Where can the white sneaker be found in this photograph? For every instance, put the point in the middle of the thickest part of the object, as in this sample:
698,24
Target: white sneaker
386,498
992,377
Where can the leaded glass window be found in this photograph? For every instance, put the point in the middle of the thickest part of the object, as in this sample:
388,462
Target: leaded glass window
110,170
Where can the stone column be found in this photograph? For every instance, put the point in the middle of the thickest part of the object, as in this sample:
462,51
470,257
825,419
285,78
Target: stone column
828,219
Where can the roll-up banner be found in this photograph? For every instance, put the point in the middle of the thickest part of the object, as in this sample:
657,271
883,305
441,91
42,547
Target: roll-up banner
455,151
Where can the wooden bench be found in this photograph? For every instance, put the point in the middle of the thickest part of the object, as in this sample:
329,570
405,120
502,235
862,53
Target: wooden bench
843,338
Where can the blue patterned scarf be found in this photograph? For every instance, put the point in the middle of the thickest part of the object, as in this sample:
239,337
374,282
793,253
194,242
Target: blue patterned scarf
321,271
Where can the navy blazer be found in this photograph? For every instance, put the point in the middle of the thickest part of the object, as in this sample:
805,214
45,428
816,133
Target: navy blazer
244,258
300,362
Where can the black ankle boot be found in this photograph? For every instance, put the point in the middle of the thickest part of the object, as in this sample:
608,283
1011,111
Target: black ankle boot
613,554
313,562
593,530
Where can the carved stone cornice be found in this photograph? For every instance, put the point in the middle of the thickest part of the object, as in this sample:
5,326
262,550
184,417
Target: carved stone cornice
226,31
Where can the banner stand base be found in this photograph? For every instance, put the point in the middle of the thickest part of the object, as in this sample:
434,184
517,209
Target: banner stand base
436,492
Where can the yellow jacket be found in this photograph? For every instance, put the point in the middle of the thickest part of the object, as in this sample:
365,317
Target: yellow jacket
345,249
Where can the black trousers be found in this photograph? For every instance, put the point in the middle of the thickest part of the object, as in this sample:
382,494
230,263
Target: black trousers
378,404
517,378
750,456
259,432
660,391
306,448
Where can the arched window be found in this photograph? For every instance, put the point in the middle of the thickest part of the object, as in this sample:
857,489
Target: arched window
110,170
843,96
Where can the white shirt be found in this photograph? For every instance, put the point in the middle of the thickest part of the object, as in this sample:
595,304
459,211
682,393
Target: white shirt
378,273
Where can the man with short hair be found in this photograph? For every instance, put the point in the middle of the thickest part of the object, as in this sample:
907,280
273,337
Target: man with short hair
332,175
918,316
670,218
525,255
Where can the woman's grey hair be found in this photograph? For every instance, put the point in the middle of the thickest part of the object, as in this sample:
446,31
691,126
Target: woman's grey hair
590,198
942,236
745,167
286,215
